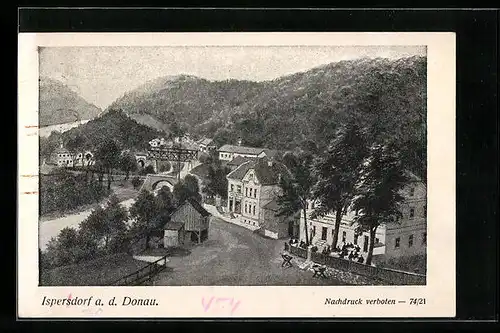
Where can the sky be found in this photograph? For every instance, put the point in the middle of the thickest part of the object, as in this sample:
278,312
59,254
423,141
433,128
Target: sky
102,74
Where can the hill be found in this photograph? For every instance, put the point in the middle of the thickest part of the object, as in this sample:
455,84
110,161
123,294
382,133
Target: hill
59,105
114,124
387,96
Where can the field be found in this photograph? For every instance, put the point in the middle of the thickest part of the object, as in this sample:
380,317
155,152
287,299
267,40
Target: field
98,272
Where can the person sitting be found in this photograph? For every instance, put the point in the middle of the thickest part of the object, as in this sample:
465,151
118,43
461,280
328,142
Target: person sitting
302,244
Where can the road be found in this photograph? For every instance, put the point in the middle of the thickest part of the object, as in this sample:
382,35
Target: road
234,255
51,228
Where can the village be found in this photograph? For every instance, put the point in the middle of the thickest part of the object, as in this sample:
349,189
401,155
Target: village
240,235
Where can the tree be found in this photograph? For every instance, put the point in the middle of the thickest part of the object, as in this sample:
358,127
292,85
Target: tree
216,181
136,182
115,225
91,232
144,211
337,172
378,199
127,164
187,188
296,188
176,130
165,205
108,155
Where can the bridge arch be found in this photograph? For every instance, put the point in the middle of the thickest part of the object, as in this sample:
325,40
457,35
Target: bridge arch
141,161
160,183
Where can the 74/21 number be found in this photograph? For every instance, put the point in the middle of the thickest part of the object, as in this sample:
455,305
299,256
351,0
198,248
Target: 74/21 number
417,301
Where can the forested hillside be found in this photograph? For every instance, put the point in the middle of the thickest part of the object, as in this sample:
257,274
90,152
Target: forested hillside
387,96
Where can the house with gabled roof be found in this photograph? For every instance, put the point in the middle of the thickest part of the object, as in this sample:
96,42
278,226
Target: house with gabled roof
188,224
206,145
229,152
251,186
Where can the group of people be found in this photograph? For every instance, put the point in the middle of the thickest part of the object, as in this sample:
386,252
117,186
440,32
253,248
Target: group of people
351,251
347,251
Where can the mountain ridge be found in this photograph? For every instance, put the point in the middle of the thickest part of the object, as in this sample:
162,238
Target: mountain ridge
58,104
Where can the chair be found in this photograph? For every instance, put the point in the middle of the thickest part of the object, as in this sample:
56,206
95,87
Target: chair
286,260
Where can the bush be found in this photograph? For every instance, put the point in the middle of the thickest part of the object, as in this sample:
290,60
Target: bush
65,191
136,182
148,169
415,263
164,166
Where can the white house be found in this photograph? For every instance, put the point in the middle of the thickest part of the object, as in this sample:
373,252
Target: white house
406,237
228,152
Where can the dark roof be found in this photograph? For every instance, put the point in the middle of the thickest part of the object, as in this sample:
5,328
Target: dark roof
239,160
240,171
205,142
267,170
196,205
241,149
173,225
272,205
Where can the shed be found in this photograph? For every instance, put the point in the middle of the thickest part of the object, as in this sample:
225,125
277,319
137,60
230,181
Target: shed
173,234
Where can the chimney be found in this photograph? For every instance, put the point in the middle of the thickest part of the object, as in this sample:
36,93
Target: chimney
270,163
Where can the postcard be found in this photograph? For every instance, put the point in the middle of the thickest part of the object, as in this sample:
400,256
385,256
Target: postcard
192,175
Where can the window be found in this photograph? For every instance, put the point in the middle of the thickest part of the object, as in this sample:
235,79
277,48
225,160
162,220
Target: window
253,209
425,210
356,212
396,244
314,231
250,192
312,205
232,187
412,213
255,193
356,239
245,208
246,192
377,240
343,236
324,231
410,241
238,188
424,238
412,191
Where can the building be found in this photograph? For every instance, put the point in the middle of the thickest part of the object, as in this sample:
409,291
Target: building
206,145
406,237
62,157
237,161
229,152
276,226
251,186
188,224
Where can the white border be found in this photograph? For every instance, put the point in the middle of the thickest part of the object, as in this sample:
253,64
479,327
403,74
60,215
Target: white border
301,301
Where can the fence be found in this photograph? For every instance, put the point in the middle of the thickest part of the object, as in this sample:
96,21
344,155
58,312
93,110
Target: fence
387,275
142,275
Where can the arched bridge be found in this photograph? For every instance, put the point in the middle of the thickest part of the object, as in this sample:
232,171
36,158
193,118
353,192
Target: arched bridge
155,182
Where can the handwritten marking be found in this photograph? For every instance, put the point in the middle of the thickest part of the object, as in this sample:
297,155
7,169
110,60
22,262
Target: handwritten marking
205,307
234,306
31,126
32,134
29,175
33,192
